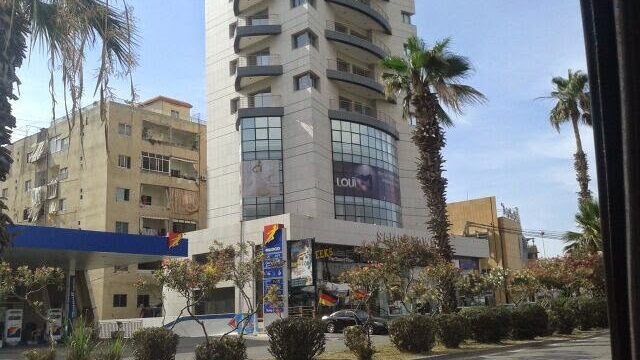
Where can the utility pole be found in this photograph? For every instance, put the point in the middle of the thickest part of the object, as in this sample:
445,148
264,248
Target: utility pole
544,249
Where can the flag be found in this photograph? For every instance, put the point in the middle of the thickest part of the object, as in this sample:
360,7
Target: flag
327,300
269,233
173,239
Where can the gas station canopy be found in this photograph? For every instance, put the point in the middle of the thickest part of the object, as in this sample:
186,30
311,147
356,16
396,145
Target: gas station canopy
84,249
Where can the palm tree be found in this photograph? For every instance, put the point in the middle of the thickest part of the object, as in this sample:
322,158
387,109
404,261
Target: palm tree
573,105
589,239
428,79
65,30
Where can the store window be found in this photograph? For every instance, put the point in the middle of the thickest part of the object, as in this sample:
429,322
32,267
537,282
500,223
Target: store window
365,169
219,301
262,178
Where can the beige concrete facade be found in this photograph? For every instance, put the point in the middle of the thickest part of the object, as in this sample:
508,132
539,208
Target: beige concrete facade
101,181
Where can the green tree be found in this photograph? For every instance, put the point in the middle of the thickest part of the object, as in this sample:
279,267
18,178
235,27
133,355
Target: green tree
65,30
429,80
573,105
589,239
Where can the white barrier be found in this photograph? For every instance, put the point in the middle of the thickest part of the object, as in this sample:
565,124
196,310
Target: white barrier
216,324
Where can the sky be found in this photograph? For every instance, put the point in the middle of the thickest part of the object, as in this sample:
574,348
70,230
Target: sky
504,148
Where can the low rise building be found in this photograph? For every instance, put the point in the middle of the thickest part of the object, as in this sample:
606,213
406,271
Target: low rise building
138,170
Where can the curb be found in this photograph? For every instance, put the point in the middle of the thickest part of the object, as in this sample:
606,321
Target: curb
533,344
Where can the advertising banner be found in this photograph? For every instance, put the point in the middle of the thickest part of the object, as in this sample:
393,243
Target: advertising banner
301,261
261,178
55,322
272,265
365,181
13,326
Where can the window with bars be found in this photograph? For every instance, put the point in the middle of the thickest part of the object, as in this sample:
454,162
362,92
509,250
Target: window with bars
124,161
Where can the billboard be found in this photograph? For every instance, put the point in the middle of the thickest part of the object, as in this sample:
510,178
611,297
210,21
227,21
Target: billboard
365,181
272,243
301,263
261,178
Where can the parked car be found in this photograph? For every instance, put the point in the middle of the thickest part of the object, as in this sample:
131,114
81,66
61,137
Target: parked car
339,320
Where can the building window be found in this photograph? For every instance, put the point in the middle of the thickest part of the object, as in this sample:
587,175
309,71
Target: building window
232,30
262,147
5,193
365,154
62,205
58,144
124,129
406,17
121,268
304,38
27,186
233,67
145,200
142,301
233,105
175,114
296,3
155,163
119,300
124,161
25,215
183,226
63,173
122,227
122,195
306,81
219,301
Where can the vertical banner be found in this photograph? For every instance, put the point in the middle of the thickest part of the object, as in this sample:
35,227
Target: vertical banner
301,263
272,265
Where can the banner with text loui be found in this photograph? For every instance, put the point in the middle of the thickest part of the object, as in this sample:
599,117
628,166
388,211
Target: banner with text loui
365,181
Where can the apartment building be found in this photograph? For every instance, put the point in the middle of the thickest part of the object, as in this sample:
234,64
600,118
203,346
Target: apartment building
301,134
139,170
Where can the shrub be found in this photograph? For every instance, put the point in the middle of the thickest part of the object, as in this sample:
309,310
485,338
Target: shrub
488,324
226,348
359,343
80,343
113,350
413,333
529,321
562,318
296,338
450,329
590,312
49,354
155,344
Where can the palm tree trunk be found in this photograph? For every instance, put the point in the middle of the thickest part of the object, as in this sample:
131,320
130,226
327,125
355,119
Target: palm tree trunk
581,166
13,50
430,140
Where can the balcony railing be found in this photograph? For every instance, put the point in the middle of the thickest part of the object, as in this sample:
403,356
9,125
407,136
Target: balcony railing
259,60
259,20
344,66
260,101
361,109
368,8
346,29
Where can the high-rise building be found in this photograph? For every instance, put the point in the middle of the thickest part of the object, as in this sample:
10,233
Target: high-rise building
139,170
301,134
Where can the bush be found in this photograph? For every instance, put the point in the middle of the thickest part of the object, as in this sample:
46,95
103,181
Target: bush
49,354
450,329
529,321
113,350
226,348
488,324
590,312
155,344
358,342
562,317
296,338
413,333
80,343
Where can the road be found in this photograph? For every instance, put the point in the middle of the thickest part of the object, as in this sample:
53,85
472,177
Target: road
594,348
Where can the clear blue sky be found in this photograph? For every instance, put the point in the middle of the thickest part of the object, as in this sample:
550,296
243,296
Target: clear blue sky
504,148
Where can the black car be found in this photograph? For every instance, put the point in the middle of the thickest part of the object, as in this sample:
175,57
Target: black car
339,320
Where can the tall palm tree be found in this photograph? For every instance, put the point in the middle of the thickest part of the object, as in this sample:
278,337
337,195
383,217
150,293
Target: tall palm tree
573,105
428,79
65,30
589,239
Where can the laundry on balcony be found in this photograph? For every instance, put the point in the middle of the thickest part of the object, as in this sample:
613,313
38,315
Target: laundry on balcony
38,195
52,190
37,151
184,202
53,207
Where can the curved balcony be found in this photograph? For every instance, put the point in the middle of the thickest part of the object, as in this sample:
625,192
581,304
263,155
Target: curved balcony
353,111
365,47
356,79
241,5
366,13
259,105
254,68
252,30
